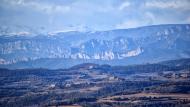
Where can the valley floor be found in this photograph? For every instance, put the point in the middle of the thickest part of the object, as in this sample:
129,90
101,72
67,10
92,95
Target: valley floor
91,85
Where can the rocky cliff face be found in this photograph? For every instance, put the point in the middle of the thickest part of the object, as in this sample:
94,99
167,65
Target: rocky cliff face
139,44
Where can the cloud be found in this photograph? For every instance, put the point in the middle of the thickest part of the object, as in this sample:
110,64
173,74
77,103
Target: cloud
150,17
127,24
147,18
188,20
124,5
81,28
168,4
39,6
55,15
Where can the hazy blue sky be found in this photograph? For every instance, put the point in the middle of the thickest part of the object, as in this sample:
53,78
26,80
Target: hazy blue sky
84,15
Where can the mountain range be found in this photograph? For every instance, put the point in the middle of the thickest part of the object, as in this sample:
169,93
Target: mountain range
115,47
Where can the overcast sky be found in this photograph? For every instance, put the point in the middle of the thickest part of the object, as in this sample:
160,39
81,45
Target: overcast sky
89,15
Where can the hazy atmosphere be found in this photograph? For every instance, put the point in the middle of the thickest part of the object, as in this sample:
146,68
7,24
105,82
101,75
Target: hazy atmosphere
44,16
94,53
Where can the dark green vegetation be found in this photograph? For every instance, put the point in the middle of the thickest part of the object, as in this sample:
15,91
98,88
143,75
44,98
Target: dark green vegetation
91,85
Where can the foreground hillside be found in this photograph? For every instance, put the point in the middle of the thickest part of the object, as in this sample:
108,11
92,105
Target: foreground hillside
154,85
114,47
